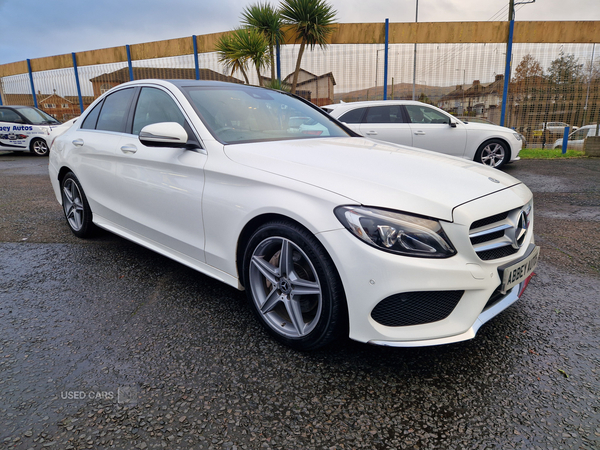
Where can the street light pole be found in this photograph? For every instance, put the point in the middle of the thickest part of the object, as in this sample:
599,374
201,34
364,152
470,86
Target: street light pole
463,90
415,54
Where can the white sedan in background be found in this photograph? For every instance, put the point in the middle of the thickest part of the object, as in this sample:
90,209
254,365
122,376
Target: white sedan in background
330,234
424,126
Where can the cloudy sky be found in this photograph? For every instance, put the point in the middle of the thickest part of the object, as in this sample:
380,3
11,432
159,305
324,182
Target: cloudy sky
37,28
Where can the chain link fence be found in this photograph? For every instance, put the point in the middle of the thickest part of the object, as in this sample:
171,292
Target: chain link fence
550,83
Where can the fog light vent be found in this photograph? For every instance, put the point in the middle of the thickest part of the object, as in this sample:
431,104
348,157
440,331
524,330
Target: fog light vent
415,308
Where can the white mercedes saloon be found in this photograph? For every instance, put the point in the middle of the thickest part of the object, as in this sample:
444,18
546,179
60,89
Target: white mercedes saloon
330,234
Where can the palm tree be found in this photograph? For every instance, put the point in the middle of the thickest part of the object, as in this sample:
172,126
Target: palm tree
267,20
230,56
311,21
252,45
241,46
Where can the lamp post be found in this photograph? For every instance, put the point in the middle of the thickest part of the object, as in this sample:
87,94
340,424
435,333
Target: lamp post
463,90
415,54
377,63
507,68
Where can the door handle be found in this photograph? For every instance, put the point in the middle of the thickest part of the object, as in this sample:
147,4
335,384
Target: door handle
130,148
78,142
419,133
371,133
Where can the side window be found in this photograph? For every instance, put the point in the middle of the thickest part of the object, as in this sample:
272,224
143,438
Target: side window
579,134
8,115
155,106
90,120
384,114
113,116
354,116
423,114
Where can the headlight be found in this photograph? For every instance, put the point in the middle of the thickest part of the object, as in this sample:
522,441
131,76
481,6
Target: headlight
396,232
517,136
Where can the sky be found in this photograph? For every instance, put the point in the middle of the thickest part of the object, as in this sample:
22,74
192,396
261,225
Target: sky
36,28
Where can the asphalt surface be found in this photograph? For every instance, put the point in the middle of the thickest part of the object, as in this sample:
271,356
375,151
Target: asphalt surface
104,344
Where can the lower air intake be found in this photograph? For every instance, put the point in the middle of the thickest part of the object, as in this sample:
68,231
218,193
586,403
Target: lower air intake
415,308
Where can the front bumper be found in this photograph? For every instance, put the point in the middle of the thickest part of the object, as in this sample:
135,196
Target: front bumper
487,314
370,276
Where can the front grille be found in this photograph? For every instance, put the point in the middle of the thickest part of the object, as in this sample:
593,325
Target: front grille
497,253
489,220
502,234
415,308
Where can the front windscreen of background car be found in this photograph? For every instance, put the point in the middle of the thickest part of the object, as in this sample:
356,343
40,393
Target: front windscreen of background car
247,114
37,117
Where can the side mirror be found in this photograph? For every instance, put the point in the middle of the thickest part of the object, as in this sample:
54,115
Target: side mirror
452,124
163,134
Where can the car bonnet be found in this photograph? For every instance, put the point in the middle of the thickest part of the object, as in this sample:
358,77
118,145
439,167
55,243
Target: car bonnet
376,173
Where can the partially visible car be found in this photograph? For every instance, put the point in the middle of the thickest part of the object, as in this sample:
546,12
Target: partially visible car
467,119
329,235
577,138
25,128
424,126
552,128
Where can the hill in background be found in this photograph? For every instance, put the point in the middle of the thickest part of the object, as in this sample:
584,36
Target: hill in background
402,91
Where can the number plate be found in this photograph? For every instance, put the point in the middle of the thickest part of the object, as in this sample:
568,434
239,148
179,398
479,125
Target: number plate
519,271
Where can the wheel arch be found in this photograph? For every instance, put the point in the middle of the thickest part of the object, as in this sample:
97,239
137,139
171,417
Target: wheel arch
254,224
62,172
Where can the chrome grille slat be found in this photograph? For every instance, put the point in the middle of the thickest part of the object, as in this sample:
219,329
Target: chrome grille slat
490,230
503,242
493,237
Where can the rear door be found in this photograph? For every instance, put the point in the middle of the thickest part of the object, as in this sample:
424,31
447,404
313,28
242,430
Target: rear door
387,123
96,142
353,118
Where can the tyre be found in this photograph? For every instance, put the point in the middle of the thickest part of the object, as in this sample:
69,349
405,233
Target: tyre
293,287
39,147
76,208
493,153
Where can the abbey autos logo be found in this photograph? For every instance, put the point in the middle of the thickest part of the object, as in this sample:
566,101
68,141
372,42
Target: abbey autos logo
16,128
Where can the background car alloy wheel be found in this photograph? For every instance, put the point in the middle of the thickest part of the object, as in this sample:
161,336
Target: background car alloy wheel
39,147
293,286
492,153
75,206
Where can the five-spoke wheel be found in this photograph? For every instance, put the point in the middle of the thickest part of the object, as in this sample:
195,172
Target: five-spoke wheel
75,206
293,286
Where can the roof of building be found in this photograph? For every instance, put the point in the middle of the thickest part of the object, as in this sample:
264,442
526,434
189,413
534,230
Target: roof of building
165,73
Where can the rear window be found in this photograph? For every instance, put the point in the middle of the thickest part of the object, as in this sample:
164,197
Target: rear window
353,116
241,114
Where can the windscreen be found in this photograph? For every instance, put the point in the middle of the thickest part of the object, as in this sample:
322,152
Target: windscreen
248,114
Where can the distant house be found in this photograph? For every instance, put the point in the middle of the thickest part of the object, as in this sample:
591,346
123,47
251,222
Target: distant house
107,81
62,108
59,107
317,89
319,86
478,100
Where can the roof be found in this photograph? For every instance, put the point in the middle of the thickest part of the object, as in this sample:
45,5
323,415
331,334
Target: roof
312,78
